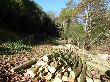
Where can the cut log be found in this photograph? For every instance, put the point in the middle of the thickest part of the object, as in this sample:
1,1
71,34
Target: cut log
47,57
24,65
36,70
65,77
51,69
57,80
58,68
79,68
71,77
83,73
72,74
75,66
33,71
44,73
91,80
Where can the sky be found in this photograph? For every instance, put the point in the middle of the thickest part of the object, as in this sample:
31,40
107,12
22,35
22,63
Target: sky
52,5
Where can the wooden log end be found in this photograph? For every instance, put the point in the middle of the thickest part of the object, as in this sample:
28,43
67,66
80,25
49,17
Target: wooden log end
51,69
30,72
57,80
12,70
65,79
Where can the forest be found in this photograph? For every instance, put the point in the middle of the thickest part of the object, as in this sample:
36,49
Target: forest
40,46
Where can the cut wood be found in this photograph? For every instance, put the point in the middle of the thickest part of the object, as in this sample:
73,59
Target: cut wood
57,68
95,61
91,80
33,71
36,69
24,65
83,73
100,67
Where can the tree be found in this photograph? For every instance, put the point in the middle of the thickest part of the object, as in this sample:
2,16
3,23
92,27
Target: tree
96,18
25,16
66,18
97,23
52,15
72,30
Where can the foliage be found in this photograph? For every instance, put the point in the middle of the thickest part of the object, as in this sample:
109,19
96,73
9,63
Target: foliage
87,23
12,42
71,28
52,15
23,23
66,13
74,33
13,47
97,22
25,16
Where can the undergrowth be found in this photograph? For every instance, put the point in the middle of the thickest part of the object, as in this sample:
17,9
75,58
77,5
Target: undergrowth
13,43
13,47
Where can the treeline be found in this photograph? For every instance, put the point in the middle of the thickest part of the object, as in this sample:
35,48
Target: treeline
25,16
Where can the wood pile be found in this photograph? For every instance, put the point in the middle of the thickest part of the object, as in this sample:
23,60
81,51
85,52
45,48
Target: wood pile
60,66
56,67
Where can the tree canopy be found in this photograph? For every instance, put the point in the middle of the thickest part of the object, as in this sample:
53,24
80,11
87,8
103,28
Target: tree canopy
25,16
87,22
